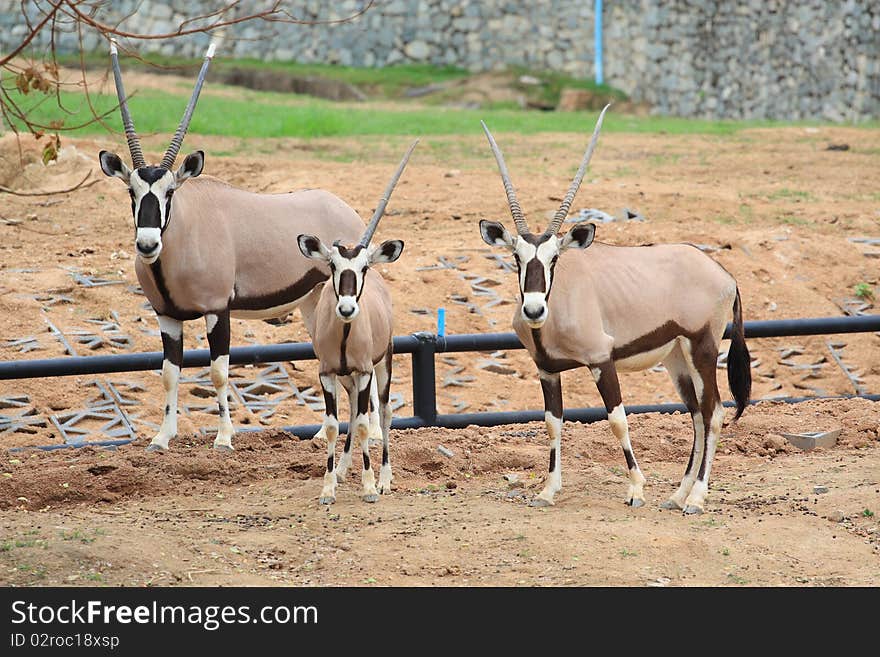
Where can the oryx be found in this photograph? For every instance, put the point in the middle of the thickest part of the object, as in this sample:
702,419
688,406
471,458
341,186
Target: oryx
616,308
353,328
216,251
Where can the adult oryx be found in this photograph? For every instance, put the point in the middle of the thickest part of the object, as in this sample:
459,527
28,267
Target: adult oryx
352,338
215,251
616,308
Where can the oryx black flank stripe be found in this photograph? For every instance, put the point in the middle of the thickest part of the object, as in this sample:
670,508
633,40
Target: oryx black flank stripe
284,296
169,308
343,359
545,362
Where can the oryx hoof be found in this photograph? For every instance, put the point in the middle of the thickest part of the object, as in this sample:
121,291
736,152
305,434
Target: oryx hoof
540,502
156,447
371,497
692,510
636,503
224,448
326,500
670,505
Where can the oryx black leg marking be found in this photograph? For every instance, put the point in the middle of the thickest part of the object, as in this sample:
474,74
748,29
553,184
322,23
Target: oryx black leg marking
551,386
605,375
331,431
362,382
363,409
172,349
218,340
676,364
704,353
383,381
345,460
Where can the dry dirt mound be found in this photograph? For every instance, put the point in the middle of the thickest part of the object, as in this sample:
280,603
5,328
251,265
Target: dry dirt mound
22,168
63,477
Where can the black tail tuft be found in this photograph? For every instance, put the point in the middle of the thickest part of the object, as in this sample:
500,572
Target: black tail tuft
739,362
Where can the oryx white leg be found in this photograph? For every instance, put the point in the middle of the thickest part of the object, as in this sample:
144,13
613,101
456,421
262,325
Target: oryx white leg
320,434
605,375
551,386
375,420
218,340
697,497
361,433
172,348
383,384
345,460
330,428
681,374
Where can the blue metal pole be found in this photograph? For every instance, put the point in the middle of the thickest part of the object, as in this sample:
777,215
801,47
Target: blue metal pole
597,42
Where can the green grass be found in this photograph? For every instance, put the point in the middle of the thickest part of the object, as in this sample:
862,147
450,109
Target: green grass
268,115
790,195
388,82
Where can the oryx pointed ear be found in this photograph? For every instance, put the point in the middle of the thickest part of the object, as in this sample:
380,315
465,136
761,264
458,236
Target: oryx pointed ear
388,251
311,247
579,237
113,166
494,234
192,166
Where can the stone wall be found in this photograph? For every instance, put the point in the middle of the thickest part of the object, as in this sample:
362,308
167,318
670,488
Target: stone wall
767,59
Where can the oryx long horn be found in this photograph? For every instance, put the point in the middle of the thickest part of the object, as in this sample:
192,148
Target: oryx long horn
177,140
134,144
521,226
562,212
380,208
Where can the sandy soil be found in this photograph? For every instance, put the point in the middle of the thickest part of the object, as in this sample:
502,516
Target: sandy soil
776,204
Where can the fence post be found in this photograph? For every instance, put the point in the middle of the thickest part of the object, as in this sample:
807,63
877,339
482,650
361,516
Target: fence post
424,380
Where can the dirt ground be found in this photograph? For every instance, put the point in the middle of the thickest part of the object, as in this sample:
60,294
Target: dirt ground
773,206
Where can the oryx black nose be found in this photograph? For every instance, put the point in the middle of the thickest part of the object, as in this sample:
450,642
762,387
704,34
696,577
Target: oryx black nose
346,311
533,312
147,249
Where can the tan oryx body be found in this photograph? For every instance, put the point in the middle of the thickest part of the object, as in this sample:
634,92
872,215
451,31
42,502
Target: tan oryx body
612,308
207,249
352,336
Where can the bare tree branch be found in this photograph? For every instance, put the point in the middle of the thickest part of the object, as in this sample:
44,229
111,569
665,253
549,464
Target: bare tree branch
46,20
80,185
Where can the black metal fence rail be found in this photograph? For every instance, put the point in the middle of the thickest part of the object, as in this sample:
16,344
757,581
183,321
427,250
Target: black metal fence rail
423,347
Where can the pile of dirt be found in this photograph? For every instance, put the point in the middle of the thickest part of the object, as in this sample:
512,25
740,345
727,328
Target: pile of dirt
22,168
36,479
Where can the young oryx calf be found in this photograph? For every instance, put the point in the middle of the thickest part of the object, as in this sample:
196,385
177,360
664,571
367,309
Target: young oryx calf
352,338
624,308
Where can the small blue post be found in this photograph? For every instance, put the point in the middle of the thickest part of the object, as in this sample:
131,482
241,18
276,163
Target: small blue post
597,42
441,322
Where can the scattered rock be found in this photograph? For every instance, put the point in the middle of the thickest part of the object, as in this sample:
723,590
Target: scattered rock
819,490
448,453
836,516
